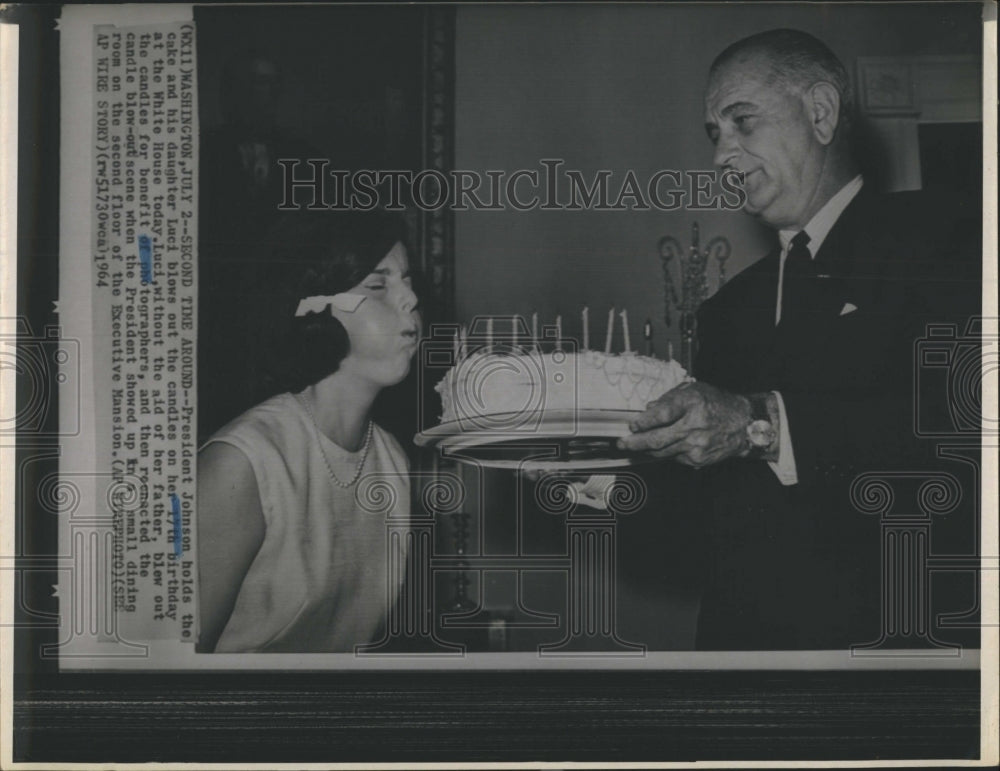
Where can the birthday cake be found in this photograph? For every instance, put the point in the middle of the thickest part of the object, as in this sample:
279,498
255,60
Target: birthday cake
491,390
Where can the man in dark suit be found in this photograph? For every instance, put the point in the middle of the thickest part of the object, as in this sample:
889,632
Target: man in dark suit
805,362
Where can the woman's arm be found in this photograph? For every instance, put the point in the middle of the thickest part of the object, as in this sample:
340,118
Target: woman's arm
230,532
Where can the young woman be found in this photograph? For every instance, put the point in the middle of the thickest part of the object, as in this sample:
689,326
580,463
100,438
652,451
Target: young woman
289,558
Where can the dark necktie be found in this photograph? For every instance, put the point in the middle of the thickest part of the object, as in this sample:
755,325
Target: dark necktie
795,294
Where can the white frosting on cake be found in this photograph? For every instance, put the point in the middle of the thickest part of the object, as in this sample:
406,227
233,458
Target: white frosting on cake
485,384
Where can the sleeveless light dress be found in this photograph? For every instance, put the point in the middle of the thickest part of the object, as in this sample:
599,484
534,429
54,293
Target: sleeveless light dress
320,581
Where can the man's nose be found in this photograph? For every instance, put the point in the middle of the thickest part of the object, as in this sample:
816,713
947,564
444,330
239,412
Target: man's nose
726,151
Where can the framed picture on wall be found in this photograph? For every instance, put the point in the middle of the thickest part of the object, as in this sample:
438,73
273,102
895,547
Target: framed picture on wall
887,86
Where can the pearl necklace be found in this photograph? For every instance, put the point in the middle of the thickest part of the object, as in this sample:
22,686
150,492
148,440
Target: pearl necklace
364,450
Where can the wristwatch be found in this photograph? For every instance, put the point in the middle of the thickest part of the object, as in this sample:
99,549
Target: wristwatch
760,431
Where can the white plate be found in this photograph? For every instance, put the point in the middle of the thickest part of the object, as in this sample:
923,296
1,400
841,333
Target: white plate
536,441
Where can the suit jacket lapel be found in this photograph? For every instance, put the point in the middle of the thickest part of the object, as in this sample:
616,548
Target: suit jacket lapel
737,336
758,335
759,354
845,242
835,265
837,260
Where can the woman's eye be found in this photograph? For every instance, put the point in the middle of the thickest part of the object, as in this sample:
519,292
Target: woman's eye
375,287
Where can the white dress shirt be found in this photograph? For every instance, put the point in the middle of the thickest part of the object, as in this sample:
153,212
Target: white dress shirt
817,229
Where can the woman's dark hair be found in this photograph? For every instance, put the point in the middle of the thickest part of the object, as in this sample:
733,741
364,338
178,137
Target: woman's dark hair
326,253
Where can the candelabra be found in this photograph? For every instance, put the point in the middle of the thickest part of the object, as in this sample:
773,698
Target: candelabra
460,602
692,275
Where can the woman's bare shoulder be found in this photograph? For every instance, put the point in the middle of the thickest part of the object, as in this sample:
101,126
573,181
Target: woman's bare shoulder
225,460
227,485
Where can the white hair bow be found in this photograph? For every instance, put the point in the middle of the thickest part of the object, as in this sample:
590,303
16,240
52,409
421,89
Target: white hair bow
348,302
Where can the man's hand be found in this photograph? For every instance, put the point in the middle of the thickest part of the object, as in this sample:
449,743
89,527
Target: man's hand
696,424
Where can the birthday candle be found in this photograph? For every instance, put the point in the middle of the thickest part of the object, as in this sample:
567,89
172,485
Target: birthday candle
458,361
611,328
647,334
586,328
558,333
628,344
534,331
464,336
670,351
513,330
489,333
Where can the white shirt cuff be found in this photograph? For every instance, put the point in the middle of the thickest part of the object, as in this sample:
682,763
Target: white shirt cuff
784,468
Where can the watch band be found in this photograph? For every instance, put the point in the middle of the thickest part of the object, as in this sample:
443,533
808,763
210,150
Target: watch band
760,420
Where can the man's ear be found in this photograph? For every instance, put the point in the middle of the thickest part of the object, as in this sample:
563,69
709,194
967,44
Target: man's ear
823,102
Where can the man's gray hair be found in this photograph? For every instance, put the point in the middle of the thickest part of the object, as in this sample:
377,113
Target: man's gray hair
798,61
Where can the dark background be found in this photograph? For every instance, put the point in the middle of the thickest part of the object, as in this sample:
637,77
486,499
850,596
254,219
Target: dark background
349,90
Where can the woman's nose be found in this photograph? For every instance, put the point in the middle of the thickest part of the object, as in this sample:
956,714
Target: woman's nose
407,299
